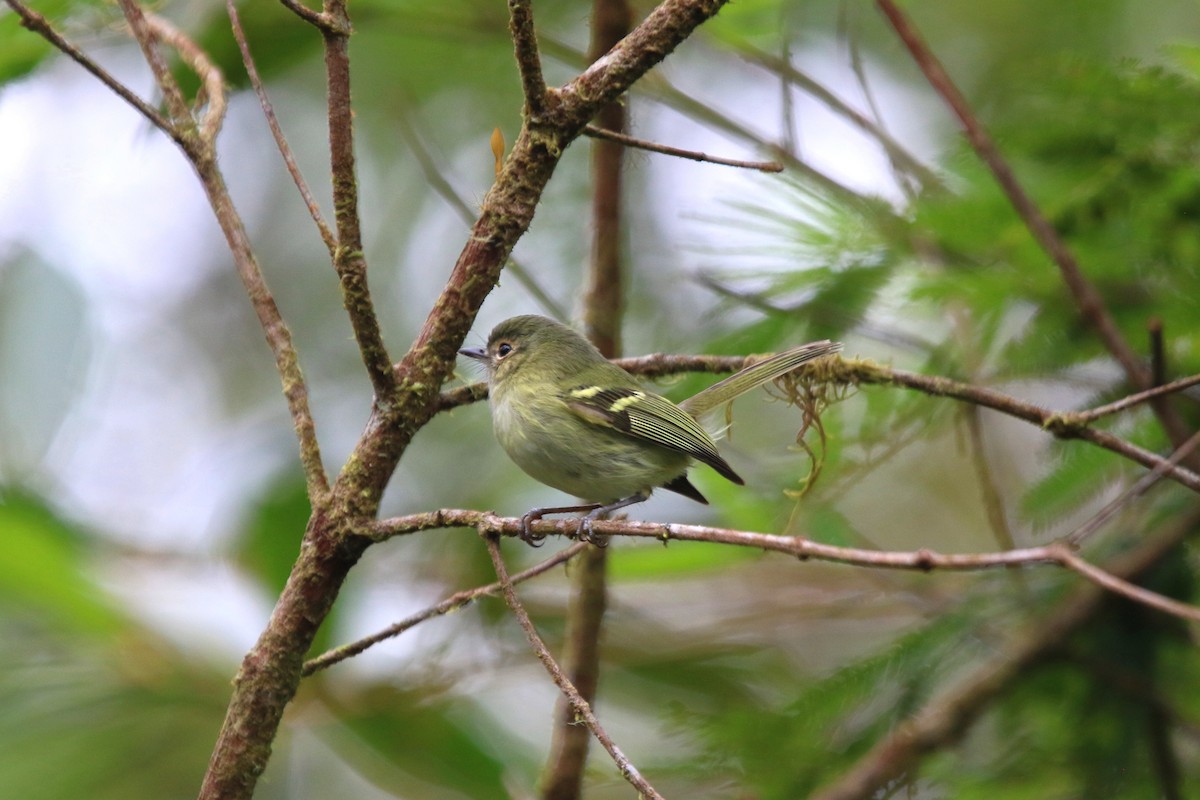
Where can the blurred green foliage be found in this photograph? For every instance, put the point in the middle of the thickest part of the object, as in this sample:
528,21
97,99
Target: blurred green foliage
727,673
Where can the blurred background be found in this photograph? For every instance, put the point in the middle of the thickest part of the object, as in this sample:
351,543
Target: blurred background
151,501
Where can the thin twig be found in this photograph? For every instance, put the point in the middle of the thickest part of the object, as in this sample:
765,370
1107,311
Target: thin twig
316,18
452,603
993,502
642,144
349,260
662,91
1138,398
658,89
38,24
1076,537
1091,304
281,142
628,771
788,72
787,105
1112,583
435,176
210,76
529,60
858,67
144,35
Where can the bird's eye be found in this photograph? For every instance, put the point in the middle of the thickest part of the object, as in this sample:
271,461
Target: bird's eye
504,349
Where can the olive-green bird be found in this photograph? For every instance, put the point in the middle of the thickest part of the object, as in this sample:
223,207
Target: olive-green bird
577,422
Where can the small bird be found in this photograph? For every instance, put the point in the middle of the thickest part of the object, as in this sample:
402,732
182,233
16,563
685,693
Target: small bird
577,422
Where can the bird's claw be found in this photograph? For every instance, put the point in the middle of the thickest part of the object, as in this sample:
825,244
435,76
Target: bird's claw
586,534
527,534
583,533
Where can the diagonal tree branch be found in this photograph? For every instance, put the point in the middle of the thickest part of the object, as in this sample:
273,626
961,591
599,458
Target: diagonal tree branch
607,78
281,142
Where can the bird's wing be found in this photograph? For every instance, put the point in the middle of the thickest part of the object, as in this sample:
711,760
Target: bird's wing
645,415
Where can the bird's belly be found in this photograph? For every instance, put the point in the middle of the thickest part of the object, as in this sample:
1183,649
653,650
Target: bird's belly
587,461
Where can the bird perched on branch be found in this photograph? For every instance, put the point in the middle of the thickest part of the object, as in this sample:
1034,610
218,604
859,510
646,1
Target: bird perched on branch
575,421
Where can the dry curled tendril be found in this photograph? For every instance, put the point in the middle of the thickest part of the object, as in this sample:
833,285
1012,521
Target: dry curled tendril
811,392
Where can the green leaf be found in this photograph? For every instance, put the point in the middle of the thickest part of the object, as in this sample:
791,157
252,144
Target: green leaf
47,571
674,560
80,723
271,542
443,742
20,50
829,723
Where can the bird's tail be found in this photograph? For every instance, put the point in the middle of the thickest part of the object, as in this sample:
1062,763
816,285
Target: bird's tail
756,375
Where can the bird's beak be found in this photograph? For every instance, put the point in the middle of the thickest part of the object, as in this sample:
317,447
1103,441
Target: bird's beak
477,353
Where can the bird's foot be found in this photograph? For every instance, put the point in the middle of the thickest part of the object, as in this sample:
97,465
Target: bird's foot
527,534
534,539
585,532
